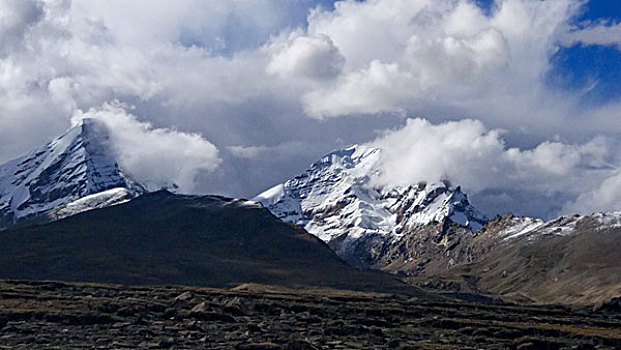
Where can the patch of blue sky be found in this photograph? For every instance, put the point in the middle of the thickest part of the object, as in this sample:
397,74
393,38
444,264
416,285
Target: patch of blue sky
485,5
593,70
600,10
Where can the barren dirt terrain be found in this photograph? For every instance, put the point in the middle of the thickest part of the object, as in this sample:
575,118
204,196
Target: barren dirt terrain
44,315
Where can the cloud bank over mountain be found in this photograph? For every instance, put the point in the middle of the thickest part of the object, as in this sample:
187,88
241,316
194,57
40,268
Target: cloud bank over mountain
252,91
551,177
156,157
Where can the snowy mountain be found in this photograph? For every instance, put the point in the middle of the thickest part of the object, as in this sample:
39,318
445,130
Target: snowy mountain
430,234
337,200
78,164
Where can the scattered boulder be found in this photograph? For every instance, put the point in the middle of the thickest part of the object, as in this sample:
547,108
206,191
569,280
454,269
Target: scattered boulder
235,307
536,344
70,317
157,344
202,307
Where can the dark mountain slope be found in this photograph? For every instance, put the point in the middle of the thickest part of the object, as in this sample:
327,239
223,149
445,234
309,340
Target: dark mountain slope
161,238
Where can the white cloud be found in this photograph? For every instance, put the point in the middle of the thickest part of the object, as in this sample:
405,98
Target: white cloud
15,19
157,157
603,198
211,24
467,153
305,57
404,55
605,34
367,91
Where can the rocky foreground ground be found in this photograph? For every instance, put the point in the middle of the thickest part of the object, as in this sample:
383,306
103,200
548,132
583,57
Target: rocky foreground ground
37,315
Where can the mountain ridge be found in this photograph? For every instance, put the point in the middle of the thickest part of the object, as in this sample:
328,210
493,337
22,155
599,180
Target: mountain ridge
79,163
164,238
425,234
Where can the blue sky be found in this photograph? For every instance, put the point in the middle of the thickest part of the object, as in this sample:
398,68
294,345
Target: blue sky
581,66
601,9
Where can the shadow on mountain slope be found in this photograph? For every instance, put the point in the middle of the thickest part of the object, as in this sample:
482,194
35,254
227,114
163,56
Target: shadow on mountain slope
162,238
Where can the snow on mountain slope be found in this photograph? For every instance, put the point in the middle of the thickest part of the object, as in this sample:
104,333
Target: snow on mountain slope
514,227
336,200
114,196
75,165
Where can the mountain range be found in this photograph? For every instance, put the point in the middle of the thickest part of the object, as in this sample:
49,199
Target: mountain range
428,233
432,235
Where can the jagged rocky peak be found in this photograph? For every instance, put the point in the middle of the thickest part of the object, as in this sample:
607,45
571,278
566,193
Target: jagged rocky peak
77,164
435,202
339,200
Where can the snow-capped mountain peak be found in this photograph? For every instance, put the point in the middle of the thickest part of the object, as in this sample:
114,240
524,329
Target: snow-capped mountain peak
79,163
337,200
435,202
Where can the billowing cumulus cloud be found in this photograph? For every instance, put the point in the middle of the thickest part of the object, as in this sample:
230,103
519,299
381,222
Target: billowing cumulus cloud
420,55
274,84
555,176
305,57
606,196
157,157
